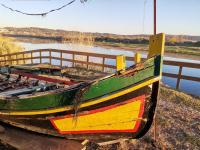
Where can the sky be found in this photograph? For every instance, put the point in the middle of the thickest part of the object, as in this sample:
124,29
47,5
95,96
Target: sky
107,16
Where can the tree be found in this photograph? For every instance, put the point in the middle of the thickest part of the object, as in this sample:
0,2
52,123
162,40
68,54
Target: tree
8,46
172,40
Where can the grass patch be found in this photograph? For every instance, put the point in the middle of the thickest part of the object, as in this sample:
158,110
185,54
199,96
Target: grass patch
171,49
179,97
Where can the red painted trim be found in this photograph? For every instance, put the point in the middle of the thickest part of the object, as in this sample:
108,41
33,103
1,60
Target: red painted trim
137,125
135,128
48,79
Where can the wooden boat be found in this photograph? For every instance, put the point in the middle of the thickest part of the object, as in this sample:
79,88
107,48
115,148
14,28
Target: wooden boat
59,102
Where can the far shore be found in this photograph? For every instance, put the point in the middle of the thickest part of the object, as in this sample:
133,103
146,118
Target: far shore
139,50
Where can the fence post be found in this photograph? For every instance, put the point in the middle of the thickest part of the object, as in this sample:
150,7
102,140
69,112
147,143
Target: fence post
10,59
87,61
103,62
61,58
73,58
50,57
17,62
23,59
5,60
40,56
179,77
31,57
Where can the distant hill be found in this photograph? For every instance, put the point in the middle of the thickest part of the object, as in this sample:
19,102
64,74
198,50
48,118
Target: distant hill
51,32
63,35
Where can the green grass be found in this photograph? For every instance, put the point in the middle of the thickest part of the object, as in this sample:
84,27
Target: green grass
179,97
170,49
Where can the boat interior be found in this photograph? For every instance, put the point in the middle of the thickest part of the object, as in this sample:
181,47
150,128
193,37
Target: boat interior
22,81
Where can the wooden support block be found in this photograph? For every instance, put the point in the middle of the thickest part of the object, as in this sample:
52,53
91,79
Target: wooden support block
22,139
85,142
2,129
121,62
137,58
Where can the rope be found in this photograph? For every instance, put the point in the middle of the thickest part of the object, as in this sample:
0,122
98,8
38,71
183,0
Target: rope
40,14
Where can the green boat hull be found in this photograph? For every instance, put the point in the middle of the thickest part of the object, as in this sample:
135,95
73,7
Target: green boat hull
151,68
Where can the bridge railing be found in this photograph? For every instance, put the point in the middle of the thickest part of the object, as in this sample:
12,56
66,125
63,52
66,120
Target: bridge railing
60,55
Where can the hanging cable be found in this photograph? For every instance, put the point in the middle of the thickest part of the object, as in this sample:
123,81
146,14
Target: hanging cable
41,14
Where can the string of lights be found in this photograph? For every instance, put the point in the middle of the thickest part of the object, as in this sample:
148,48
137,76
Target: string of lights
43,13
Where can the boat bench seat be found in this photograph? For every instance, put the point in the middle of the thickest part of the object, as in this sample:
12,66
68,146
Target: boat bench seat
27,90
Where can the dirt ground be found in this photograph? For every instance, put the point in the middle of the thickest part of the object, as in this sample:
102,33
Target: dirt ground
178,126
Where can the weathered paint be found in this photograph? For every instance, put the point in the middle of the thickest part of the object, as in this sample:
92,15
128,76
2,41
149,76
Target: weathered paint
156,45
85,104
43,78
121,62
99,89
137,58
121,117
115,83
49,100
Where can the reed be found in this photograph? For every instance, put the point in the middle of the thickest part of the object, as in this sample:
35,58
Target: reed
8,46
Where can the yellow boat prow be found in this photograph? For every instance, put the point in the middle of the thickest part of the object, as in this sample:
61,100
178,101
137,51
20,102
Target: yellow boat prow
122,117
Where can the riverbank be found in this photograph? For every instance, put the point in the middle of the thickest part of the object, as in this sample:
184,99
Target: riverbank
140,48
178,125
170,51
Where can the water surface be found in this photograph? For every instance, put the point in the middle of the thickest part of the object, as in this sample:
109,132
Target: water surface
185,85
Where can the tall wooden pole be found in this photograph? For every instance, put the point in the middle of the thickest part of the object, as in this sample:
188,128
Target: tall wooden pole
154,121
155,17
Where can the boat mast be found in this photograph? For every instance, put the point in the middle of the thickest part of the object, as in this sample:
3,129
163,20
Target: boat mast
154,17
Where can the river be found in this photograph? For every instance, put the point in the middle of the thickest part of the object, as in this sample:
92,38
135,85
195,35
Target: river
185,85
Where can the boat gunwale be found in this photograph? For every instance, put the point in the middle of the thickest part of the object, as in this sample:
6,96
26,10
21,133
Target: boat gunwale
85,103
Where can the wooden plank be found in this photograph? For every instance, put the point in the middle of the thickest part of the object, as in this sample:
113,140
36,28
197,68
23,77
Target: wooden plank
85,53
37,57
190,78
183,64
22,139
44,78
25,52
2,129
112,142
85,62
182,77
171,75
